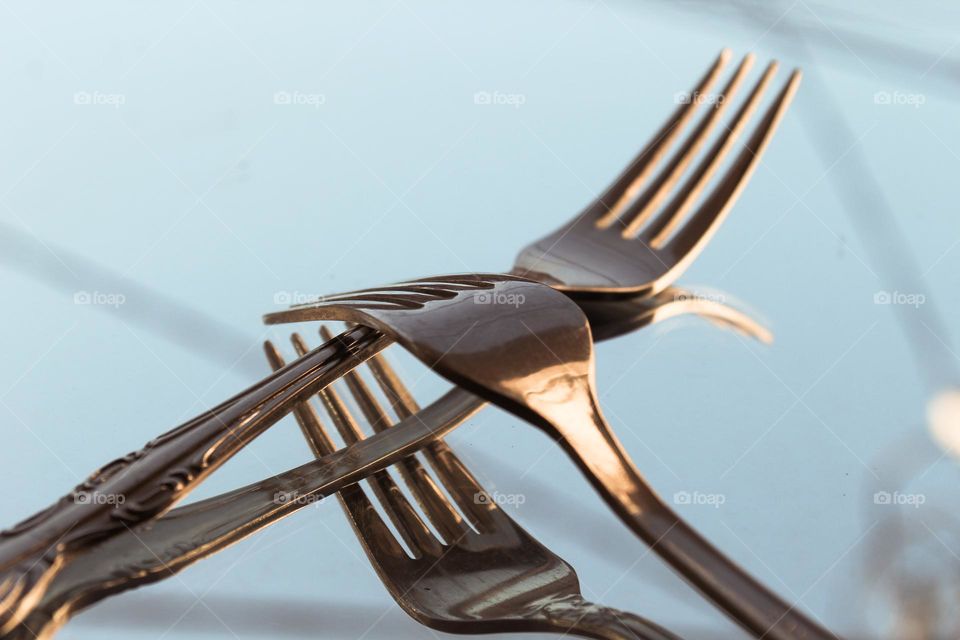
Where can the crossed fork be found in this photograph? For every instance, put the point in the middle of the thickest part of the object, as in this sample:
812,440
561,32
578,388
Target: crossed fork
615,259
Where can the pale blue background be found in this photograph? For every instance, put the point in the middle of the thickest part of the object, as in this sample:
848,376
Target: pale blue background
200,195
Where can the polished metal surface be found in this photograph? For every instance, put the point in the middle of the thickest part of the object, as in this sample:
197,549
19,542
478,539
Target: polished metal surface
481,572
163,546
638,236
528,348
614,317
145,483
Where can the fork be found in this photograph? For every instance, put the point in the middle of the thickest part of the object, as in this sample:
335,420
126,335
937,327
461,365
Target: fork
639,235
155,549
536,360
483,573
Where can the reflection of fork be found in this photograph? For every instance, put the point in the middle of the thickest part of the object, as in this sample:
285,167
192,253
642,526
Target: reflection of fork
481,572
528,348
166,545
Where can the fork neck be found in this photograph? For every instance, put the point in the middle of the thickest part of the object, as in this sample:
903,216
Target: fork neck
574,418
576,616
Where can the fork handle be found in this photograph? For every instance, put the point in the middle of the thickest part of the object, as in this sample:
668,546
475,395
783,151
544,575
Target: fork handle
588,620
587,438
146,483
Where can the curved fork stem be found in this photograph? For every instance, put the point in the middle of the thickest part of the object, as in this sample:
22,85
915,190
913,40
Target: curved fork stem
577,616
589,441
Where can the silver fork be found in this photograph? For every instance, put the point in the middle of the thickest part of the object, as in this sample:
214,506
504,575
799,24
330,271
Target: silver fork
536,360
639,235
485,574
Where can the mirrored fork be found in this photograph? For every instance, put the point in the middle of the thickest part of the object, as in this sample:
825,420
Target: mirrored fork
483,573
639,235
161,547
528,348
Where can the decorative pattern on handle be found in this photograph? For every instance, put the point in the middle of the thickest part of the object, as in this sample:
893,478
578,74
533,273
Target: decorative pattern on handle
580,617
145,483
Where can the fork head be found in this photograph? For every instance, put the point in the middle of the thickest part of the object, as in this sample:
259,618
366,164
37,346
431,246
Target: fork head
489,577
456,582
640,235
510,340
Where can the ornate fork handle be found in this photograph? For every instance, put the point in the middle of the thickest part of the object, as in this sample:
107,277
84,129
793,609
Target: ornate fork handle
575,615
145,483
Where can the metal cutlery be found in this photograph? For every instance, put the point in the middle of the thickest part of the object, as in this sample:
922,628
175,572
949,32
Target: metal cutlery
145,483
528,348
619,246
639,235
481,572
163,546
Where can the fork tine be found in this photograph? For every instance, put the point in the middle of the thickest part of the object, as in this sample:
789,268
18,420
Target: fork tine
352,497
641,210
320,443
405,519
681,203
700,227
444,517
453,474
609,205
